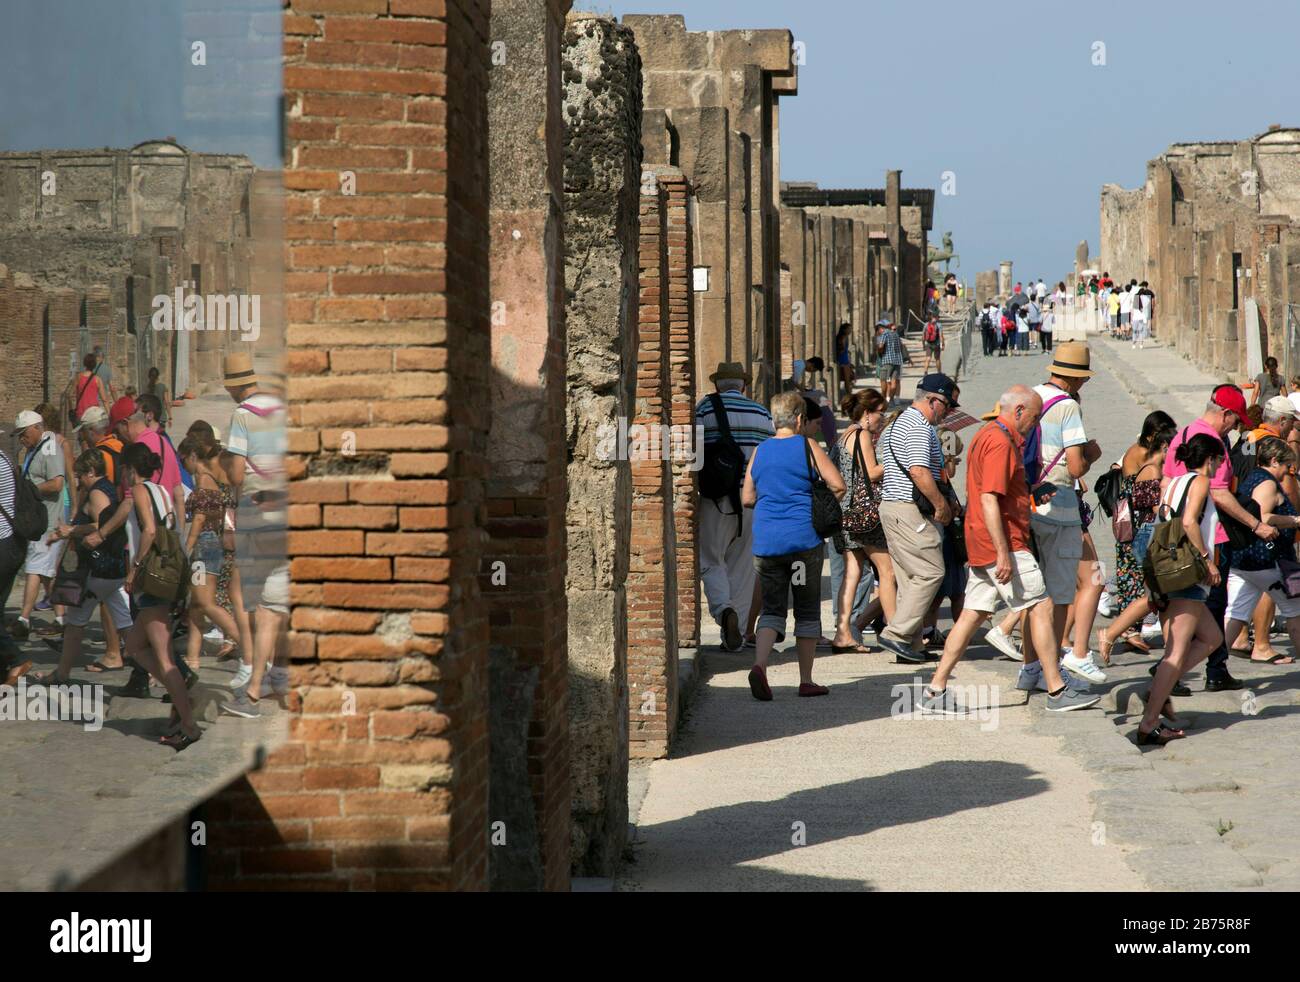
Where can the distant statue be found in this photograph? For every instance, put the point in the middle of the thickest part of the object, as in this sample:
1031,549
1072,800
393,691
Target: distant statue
945,256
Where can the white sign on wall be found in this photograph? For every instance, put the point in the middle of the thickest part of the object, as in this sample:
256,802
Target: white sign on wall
701,279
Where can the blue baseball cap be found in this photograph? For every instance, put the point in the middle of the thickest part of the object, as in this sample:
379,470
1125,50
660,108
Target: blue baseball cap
885,321
940,385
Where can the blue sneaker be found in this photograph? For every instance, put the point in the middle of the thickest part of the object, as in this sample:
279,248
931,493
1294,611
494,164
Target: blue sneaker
1030,679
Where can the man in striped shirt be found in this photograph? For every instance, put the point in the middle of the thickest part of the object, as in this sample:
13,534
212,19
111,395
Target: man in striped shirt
913,460
726,533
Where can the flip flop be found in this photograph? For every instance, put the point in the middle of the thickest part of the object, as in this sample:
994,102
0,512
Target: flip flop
98,667
850,649
1278,659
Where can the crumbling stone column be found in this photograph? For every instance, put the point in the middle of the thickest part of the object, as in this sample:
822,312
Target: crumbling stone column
652,588
602,180
527,485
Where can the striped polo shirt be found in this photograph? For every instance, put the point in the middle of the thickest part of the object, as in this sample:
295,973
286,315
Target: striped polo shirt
7,488
750,423
910,441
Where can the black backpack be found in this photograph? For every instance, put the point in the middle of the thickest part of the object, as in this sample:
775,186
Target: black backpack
723,472
986,322
29,520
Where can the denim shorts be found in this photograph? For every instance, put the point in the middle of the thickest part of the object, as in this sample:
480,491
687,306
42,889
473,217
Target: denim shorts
208,551
144,600
1142,541
1196,592
799,573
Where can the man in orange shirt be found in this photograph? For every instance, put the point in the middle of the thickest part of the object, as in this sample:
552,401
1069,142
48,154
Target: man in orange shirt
1002,564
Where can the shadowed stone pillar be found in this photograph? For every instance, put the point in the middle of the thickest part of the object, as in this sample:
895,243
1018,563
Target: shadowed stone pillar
527,485
602,175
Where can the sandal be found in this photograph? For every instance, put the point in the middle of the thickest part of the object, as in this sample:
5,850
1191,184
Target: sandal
49,678
98,667
180,740
1277,659
1159,736
850,649
228,651
1167,710
1104,646
1134,640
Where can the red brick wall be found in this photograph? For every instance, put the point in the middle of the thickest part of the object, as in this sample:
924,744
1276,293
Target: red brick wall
651,589
681,347
22,346
387,309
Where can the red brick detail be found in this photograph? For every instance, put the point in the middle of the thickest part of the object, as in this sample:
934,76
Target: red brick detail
384,781
652,575
682,376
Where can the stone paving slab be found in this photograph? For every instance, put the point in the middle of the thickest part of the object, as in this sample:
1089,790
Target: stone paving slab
74,799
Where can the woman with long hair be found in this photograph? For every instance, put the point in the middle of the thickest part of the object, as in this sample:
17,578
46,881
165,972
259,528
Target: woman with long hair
1193,633
230,590
206,513
1139,485
854,454
149,642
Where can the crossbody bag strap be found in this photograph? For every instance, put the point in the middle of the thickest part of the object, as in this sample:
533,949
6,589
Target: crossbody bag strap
724,426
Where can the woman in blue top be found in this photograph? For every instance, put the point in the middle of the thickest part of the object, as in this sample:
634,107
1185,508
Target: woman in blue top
787,550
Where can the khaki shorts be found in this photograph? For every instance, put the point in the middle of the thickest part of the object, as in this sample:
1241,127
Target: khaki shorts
1060,549
1025,588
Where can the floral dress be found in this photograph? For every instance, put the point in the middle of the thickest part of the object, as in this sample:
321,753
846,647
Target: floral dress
1144,499
842,457
229,499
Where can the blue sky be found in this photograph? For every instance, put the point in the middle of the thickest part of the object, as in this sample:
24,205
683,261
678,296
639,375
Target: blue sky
112,73
1004,94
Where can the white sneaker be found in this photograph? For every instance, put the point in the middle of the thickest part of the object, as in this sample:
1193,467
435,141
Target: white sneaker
1002,643
242,676
1106,605
1083,667
214,635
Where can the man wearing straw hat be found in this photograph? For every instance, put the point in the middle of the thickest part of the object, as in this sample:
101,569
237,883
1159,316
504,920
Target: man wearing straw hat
726,531
257,444
1066,454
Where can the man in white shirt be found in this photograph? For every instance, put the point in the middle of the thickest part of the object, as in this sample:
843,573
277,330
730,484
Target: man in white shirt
1125,306
1141,315
1042,291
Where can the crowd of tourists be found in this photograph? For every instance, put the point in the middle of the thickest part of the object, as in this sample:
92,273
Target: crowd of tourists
101,510
1023,321
1204,528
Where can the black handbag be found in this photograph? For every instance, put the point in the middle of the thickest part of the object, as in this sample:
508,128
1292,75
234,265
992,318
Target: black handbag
827,518
1107,489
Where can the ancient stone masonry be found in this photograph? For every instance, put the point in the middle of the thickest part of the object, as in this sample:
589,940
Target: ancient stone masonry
652,592
144,222
602,182
36,358
1216,225
841,246
527,481
719,92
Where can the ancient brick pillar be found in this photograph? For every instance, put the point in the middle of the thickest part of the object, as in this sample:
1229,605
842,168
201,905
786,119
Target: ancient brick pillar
602,180
651,591
682,385
383,783
524,570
